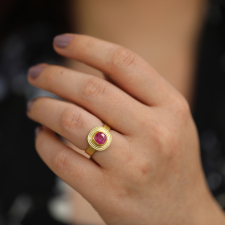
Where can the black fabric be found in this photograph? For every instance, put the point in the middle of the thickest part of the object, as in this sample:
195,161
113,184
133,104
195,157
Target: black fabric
209,110
26,183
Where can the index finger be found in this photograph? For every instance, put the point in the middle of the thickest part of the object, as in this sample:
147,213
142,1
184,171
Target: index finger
128,70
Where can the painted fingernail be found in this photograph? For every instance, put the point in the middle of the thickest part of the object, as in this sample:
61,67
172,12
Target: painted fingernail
29,104
37,131
34,71
62,40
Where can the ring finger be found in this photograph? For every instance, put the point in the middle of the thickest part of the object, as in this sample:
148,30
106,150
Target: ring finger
73,123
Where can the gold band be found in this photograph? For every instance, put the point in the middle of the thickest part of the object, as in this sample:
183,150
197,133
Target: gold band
90,151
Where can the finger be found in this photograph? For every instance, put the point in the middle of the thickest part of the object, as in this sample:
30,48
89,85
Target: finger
79,172
106,101
128,70
73,123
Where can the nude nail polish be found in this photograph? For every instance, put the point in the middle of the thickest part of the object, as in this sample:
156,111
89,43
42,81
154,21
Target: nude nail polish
34,71
61,41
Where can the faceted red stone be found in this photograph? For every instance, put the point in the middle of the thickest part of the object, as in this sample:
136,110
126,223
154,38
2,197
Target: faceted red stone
100,138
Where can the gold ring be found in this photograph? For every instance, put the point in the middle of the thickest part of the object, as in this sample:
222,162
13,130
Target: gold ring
99,139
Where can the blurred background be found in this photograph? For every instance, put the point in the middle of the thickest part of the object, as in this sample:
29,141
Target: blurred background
29,192
26,32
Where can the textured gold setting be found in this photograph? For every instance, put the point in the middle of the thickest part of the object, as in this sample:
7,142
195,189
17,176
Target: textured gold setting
93,144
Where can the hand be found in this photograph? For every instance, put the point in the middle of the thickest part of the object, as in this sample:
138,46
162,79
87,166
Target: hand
151,173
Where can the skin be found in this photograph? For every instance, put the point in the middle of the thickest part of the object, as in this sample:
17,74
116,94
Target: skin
164,33
151,173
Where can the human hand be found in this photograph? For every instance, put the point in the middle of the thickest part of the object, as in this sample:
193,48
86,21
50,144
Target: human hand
151,173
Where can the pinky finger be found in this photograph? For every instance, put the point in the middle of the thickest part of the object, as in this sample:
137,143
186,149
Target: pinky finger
79,172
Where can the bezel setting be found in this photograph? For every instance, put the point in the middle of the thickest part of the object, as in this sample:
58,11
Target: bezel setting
94,144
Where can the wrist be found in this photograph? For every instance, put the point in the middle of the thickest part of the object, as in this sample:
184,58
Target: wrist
204,209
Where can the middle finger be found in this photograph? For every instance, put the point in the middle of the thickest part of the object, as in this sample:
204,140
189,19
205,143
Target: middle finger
103,99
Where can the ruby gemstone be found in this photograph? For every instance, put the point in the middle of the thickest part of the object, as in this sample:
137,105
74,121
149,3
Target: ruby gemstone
100,138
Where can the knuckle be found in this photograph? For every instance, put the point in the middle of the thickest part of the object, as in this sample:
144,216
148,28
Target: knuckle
94,87
167,139
50,75
182,107
122,58
71,119
61,159
86,44
90,41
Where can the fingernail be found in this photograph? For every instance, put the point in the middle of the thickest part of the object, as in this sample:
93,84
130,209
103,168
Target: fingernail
34,71
38,130
29,104
62,40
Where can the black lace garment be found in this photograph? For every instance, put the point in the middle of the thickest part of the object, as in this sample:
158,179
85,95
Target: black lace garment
27,185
